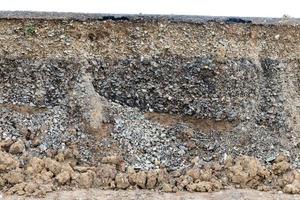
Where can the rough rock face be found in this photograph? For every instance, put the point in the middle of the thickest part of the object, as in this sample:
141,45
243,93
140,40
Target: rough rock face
148,103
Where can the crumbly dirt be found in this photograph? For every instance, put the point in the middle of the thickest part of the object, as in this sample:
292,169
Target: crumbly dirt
148,104
40,176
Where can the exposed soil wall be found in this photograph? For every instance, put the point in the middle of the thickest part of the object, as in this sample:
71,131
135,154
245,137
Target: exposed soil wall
147,97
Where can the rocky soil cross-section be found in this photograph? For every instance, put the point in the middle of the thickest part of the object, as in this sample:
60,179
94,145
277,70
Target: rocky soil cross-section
171,104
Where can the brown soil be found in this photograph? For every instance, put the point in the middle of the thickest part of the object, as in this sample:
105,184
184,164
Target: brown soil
205,125
41,176
96,194
24,109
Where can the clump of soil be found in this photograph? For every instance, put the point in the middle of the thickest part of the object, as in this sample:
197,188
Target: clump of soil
38,176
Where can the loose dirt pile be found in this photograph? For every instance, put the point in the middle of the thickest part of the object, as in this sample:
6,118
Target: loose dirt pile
148,103
40,176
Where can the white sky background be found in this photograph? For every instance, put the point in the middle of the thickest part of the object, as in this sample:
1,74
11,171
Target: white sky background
254,8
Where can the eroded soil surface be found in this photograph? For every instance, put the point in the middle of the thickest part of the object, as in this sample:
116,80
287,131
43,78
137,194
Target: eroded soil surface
148,104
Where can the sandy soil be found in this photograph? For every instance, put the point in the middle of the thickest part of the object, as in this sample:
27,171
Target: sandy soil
233,194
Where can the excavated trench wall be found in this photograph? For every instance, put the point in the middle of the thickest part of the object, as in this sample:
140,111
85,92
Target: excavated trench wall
170,103
234,83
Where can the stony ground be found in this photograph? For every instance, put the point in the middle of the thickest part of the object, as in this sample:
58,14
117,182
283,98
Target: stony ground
151,104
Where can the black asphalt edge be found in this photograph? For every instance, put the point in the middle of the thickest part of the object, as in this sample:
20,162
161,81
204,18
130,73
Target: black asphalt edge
129,17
